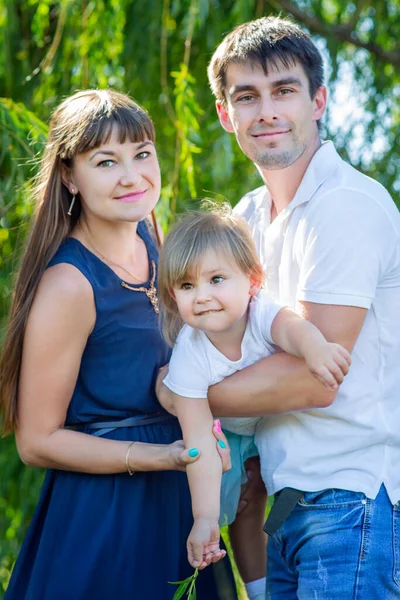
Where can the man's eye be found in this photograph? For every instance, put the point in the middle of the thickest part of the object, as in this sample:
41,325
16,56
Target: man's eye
186,286
246,98
285,91
217,279
106,163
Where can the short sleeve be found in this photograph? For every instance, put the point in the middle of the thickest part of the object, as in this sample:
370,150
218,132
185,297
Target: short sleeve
345,245
188,372
263,312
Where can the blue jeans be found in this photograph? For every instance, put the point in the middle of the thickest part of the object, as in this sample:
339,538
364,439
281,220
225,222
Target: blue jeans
337,545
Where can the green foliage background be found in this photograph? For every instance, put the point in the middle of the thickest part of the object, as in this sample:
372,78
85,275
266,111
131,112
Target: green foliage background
157,51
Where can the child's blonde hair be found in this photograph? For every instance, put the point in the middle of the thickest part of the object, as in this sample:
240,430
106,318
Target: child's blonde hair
217,229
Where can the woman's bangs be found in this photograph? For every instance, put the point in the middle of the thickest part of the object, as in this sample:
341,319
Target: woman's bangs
132,125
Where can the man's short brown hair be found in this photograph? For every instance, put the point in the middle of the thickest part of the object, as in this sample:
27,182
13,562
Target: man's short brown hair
266,41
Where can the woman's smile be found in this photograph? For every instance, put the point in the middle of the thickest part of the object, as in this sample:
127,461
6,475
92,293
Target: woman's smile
132,196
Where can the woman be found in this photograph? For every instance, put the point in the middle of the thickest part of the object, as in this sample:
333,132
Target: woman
79,365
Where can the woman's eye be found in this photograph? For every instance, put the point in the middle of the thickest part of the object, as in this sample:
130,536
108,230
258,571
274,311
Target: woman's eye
142,155
106,163
217,279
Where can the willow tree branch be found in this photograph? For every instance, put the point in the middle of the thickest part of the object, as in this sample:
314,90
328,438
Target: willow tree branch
344,33
47,61
85,58
178,143
163,62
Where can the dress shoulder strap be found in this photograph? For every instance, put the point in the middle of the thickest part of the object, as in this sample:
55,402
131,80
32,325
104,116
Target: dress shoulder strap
147,233
73,253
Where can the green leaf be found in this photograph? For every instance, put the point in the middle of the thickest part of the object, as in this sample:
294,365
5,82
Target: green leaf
193,594
183,581
190,583
181,590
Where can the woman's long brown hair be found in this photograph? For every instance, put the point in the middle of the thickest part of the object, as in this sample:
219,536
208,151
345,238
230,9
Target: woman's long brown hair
82,122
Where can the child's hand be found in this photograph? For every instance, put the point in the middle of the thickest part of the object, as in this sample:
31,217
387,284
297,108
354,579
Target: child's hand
329,363
203,543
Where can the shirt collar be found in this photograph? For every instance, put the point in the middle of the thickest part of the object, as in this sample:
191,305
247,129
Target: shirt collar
321,167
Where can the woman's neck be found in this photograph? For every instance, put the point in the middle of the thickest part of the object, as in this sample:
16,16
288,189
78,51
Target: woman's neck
117,241
118,245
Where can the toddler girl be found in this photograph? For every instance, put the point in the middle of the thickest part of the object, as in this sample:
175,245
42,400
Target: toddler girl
219,320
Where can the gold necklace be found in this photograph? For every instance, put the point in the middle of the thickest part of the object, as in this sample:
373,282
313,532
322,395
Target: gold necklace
151,292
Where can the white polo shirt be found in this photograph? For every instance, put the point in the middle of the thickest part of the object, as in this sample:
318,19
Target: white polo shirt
337,242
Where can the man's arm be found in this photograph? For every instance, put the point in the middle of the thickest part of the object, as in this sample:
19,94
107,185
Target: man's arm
327,361
282,383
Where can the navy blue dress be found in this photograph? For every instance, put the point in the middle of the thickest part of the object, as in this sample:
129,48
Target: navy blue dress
114,536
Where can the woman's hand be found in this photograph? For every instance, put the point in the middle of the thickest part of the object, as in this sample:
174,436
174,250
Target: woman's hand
178,457
222,446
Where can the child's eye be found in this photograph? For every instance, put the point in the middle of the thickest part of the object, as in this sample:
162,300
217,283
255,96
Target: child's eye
106,163
217,279
186,286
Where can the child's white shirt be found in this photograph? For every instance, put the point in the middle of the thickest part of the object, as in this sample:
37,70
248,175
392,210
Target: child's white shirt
196,364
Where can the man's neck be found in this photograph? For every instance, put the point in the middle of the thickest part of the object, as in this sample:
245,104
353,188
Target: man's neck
283,184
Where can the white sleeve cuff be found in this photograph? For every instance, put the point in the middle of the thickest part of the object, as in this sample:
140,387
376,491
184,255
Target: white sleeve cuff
332,298
186,393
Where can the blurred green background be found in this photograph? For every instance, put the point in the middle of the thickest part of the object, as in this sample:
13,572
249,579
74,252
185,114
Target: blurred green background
158,51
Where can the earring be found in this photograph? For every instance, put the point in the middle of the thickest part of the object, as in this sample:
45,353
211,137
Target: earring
71,206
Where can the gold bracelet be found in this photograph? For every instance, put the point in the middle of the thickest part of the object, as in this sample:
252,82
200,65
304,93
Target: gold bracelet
128,451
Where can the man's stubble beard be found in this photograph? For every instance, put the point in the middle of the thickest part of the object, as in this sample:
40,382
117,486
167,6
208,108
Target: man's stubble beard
272,162
272,158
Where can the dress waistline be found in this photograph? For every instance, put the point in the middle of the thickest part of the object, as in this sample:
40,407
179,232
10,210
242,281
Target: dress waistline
102,427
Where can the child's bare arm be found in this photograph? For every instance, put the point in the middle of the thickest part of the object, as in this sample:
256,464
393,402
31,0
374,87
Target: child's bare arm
197,423
327,361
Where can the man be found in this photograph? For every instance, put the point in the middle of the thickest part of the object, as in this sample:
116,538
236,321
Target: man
328,238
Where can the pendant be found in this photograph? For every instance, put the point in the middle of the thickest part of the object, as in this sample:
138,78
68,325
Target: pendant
152,296
150,293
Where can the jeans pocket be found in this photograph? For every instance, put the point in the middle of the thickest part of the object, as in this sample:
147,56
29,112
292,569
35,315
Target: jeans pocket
331,499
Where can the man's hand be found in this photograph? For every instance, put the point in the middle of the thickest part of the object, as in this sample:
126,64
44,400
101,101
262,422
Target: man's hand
254,488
